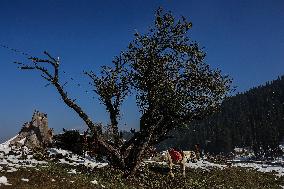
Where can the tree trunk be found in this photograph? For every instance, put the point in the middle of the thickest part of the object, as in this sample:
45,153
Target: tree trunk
113,114
135,156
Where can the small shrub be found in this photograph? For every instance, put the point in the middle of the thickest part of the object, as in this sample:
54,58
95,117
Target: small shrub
70,140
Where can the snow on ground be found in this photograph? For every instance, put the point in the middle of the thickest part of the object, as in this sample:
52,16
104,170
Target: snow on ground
4,147
22,141
261,167
279,160
202,164
4,180
275,166
7,143
94,182
206,165
12,158
278,170
281,146
25,180
73,159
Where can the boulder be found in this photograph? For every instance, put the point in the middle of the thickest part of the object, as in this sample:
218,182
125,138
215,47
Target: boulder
34,134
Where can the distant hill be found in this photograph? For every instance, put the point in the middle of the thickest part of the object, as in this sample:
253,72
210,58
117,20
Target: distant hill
254,118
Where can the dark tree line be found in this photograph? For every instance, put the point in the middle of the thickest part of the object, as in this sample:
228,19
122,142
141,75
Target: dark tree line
251,119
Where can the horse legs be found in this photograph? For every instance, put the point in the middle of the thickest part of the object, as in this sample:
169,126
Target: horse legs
183,169
171,170
182,164
170,162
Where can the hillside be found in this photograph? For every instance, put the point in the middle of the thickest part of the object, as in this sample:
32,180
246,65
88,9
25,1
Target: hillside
254,118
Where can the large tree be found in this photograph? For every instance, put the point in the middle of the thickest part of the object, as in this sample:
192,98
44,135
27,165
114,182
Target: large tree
166,71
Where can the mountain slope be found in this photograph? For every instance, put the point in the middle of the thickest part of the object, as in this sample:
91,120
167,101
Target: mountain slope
254,118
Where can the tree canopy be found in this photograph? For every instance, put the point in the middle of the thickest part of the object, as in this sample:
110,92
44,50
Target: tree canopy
166,71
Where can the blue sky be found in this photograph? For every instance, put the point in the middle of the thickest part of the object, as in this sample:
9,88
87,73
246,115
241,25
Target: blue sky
245,39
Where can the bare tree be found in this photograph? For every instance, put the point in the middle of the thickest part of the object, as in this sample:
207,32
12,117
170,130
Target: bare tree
167,73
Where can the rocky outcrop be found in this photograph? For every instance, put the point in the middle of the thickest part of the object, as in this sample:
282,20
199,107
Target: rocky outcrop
34,134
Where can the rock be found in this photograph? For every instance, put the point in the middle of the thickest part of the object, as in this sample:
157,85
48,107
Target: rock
34,134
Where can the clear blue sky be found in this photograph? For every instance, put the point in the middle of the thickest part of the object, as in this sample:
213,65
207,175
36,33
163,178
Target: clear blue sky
244,38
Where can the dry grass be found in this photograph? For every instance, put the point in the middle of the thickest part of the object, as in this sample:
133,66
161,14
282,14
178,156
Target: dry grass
149,176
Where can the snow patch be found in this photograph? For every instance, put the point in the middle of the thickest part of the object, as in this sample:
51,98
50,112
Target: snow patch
25,180
4,180
55,151
13,158
72,171
265,168
206,165
22,141
202,164
73,159
7,143
5,147
281,146
12,169
94,182
278,170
